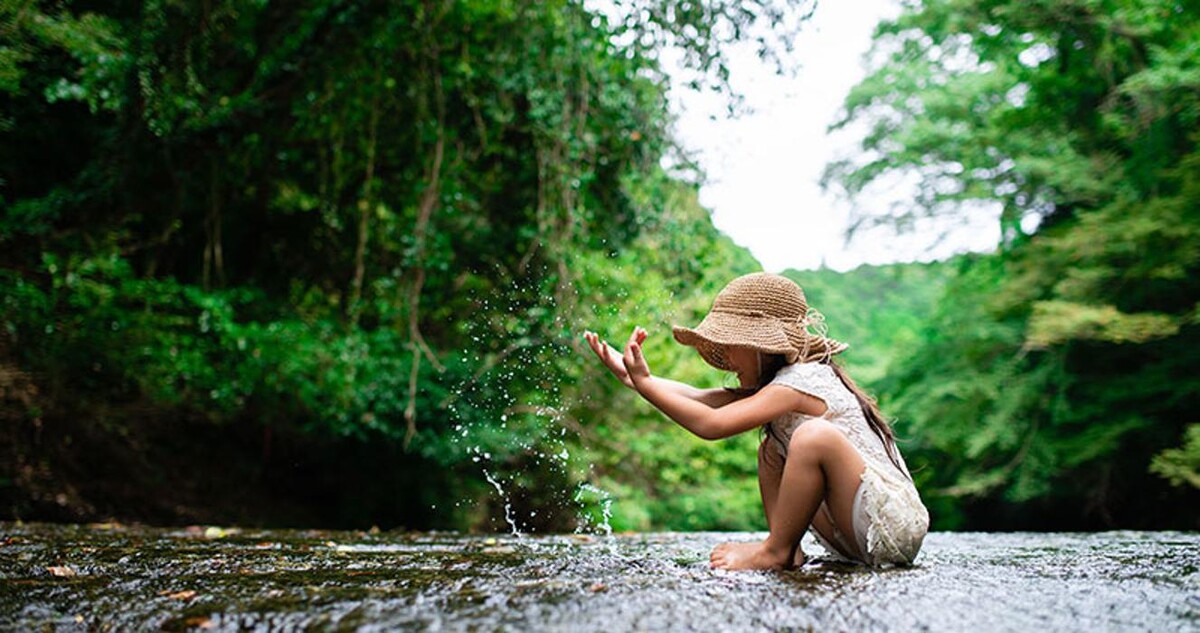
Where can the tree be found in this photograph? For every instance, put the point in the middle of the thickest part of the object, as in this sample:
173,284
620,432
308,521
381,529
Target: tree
1061,364
336,219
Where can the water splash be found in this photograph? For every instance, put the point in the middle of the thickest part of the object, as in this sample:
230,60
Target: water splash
507,503
530,427
605,507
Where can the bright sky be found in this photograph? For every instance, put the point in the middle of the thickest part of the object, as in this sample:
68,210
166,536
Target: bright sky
763,168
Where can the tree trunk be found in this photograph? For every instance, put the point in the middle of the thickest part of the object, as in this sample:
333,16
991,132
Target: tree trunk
364,209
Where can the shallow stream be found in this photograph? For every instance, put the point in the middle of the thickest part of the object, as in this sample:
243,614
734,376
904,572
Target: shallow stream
112,577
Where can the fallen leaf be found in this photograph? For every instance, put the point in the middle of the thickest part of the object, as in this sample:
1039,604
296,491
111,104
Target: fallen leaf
212,531
199,621
186,594
598,587
62,571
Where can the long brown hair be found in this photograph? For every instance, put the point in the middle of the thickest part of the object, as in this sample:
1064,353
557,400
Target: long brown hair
871,412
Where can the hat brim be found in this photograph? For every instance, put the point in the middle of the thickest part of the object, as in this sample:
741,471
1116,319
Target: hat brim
721,330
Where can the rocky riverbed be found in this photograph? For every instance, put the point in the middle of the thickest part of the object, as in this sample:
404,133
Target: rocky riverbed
114,577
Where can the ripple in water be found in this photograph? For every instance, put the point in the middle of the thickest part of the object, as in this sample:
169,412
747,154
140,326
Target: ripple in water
112,577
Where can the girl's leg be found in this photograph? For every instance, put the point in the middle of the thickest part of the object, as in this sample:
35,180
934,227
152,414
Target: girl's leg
770,471
822,465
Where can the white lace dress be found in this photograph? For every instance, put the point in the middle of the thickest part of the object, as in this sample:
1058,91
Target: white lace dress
890,522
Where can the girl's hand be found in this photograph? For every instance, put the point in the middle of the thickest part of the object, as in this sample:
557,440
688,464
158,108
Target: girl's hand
635,363
610,357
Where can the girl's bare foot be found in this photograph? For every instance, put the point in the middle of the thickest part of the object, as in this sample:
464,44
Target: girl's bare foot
735,556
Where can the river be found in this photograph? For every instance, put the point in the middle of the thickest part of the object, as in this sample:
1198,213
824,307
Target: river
117,578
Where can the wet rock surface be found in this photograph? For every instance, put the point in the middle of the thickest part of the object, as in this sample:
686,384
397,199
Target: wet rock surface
111,577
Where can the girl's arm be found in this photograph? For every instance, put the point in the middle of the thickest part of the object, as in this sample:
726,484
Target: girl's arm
612,360
706,421
714,423
718,397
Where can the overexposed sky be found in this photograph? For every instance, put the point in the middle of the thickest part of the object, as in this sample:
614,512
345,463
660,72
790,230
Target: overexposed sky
763,168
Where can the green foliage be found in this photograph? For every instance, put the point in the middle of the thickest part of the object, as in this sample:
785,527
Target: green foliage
381,221
1181,465
391,222
877,310
1056,322
661,476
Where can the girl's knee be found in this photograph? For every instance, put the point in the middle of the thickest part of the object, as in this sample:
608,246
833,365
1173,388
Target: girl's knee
813,433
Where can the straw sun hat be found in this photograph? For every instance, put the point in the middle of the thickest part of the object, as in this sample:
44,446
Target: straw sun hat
763,312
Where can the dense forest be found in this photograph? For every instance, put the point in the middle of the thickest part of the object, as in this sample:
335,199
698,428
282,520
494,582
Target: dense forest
327,263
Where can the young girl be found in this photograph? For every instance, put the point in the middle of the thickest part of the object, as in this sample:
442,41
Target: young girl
828,460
